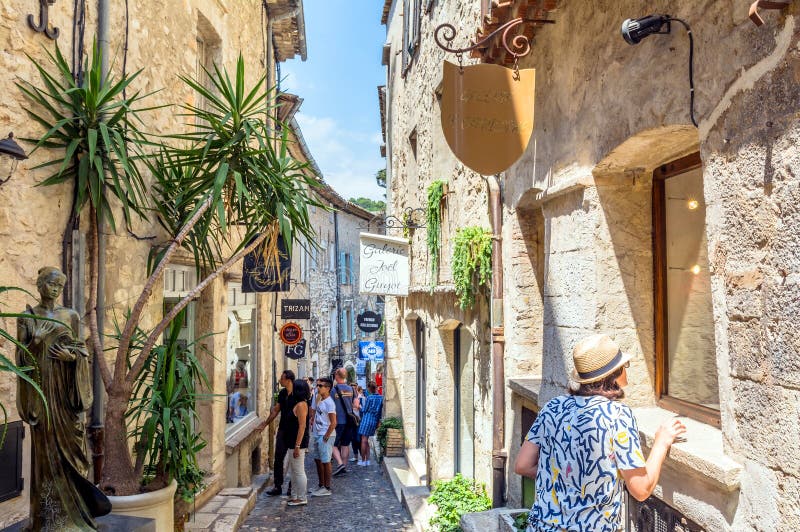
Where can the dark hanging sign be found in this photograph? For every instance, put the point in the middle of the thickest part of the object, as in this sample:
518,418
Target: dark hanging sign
369,321
296,351
295,309
258,277
291,334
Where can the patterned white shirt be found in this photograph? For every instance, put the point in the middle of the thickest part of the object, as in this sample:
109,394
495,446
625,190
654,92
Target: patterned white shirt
583,444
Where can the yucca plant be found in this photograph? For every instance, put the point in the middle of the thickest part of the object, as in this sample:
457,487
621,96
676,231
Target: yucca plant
227,183
163,412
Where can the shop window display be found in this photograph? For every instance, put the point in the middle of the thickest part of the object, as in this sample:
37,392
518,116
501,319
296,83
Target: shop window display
241,355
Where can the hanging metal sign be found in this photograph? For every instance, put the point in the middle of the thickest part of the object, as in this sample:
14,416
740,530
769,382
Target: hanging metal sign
384,266
291,334
257,276
295,309
296,351
369,321
371,351
487,114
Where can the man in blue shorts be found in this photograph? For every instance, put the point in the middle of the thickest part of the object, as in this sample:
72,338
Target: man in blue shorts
324,423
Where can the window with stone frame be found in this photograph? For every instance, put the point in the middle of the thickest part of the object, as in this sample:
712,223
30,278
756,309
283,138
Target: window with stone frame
686,370
241,357
412,19
209,45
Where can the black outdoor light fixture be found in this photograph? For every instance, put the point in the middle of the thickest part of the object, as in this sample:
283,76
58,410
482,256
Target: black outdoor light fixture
636,29
11,154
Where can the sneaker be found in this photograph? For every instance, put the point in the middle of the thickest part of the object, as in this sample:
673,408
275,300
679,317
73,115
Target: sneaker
360,462
311,491
322,492
297,502
340,469
275,491
353,459
366,462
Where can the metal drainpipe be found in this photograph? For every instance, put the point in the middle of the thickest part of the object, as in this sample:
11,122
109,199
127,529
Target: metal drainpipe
499,455
339,347
97,427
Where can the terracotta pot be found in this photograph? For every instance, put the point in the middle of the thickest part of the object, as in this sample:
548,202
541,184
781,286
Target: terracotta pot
157,505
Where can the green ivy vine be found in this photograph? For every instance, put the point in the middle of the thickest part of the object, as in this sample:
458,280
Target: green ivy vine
434,223
472,263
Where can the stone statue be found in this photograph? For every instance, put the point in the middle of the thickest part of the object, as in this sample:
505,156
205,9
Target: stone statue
61,496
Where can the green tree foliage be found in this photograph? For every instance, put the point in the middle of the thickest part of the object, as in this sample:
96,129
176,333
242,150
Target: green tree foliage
434,224
380,178
454,498
472,263
369,204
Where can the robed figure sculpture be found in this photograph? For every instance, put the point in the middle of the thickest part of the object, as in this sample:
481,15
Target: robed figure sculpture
61,496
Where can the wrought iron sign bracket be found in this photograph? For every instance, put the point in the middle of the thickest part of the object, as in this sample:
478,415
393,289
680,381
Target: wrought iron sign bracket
518,46
410,219
44,23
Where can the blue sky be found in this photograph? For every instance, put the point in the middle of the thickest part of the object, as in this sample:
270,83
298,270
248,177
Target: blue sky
340,118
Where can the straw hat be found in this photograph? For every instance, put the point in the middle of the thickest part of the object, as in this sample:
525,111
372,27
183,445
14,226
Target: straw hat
596,357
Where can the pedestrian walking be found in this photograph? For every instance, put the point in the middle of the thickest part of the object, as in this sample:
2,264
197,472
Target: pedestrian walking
296,438
342,395
371,411
284,404
358,400
583,444
321,439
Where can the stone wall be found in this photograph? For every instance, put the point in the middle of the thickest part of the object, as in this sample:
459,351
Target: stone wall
578,220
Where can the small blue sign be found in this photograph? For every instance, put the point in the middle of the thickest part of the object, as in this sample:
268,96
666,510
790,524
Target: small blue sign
371,351
361,367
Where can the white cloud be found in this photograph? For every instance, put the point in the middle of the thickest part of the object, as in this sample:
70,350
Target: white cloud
348,159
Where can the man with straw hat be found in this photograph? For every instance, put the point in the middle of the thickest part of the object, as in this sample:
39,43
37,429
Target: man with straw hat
582,444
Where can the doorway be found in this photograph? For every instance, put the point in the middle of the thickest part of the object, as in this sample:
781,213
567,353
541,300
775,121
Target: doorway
464,411
421,387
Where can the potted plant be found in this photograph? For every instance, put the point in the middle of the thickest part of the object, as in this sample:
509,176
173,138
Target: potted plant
227,183
454,498
390,436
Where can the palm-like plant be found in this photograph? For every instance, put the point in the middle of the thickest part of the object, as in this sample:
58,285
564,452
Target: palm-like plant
26,373
229,184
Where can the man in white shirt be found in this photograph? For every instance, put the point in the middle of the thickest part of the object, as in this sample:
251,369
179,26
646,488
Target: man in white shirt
324,423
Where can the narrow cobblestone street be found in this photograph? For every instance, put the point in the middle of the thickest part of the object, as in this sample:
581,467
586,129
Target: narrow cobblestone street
362,500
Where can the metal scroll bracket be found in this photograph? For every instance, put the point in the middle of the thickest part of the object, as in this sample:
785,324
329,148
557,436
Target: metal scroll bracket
518,46
764,4
44,23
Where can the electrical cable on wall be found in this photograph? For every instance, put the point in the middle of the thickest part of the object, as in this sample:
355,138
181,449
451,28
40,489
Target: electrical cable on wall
634,30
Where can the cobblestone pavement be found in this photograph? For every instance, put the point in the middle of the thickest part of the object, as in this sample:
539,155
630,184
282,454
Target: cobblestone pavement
362,500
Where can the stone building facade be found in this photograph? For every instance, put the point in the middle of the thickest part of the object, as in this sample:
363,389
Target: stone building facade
165,41
326,273
621,217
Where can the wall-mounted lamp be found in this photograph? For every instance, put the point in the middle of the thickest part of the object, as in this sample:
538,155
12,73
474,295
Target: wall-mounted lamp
11,154
636,29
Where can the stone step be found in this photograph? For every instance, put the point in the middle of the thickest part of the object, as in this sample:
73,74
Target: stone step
418,465
415,499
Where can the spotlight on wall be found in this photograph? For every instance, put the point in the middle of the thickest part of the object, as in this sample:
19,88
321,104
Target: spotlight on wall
636,29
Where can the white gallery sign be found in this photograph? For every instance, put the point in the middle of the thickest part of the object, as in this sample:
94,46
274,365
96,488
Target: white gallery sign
384,265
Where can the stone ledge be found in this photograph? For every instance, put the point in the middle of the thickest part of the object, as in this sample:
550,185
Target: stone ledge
701,453
236,438
527,388
564,187
444,288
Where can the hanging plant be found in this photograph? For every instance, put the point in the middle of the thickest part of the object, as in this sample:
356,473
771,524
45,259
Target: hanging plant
472,263
434,223
407,229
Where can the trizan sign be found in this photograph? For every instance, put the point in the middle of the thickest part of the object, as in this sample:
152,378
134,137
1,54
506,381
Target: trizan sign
384,265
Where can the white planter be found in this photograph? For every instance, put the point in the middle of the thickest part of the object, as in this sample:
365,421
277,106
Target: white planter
157,505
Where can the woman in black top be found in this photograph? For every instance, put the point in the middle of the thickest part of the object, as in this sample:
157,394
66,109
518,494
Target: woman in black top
296,438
